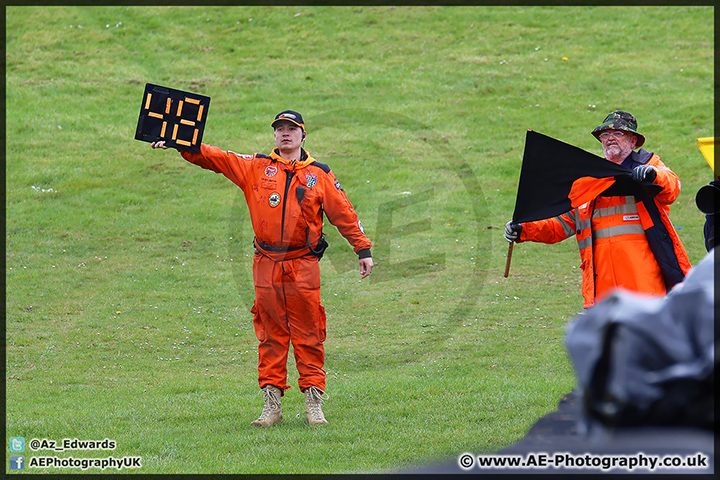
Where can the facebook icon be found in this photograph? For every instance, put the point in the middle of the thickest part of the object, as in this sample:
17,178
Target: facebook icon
17,462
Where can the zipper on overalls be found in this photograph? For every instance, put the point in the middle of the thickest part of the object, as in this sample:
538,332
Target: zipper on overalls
288,179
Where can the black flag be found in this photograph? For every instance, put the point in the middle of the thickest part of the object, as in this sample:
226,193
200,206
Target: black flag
556,177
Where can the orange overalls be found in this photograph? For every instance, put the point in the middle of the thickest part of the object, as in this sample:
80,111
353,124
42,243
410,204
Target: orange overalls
613,242
286,204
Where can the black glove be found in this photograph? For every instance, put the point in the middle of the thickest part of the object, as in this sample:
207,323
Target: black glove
512,231
643,173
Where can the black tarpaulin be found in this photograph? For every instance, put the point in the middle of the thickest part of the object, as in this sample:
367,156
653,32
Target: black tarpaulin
649,361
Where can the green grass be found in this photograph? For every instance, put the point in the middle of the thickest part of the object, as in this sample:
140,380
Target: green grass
128,270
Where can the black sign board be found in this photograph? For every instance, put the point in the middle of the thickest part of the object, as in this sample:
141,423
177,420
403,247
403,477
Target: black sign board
175,116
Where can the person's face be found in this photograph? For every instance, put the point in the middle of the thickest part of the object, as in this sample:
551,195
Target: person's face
617,144
288,136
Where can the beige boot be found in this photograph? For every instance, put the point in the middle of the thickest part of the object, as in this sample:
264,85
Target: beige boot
313,406
271,413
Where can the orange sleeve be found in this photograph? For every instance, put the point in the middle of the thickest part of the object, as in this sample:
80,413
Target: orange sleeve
341,213
551,230
234,166
667,179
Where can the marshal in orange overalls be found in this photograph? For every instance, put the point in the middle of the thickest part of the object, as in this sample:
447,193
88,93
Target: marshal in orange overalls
287,203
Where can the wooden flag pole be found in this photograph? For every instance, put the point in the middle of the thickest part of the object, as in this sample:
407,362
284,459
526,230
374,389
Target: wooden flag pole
509,258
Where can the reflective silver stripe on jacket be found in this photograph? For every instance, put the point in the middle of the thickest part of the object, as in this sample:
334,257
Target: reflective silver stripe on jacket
585,242
629,208
635,229
567,228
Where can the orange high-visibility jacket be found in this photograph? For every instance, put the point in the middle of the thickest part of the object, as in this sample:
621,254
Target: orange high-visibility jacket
625,241
287,201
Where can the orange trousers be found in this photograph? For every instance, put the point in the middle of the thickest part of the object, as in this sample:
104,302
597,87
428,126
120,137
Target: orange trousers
287,309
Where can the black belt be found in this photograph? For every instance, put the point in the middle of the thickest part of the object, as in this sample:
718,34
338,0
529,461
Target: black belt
270,248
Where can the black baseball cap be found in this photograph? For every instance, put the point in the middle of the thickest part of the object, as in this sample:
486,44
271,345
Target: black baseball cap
289,116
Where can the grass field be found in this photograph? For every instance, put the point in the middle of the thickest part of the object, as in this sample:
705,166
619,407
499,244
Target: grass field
128,275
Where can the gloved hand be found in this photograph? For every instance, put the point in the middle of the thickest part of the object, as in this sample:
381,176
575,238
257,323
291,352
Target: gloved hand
512,231
643,173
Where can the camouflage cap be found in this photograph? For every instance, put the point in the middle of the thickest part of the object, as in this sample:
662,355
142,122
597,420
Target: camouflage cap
619,120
